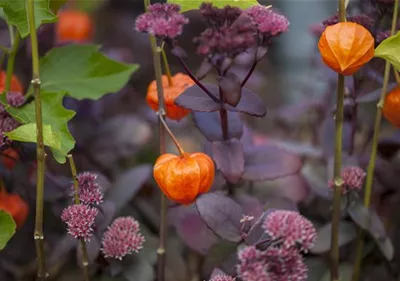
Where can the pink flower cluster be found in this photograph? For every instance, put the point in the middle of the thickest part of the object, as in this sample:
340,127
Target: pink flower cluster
15,99
267,21
353,178
123,237
222,277
162,20
291,229
80,219
89,191
273,264
290,233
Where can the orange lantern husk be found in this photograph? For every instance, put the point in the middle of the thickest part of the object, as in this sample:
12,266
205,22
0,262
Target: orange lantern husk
183,178
15,206
74,26
15,86
10,158
391,107
346,46
180,82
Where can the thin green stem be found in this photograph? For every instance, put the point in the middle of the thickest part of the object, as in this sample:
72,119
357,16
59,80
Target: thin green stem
161,251
11,33
40,153
11,61
85,259
337,180
166,67
374,149
397,76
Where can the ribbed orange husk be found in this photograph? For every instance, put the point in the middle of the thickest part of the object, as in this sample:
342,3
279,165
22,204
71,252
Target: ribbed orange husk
74,26
15,85
391,108
183,178
180,83
346,47
15,206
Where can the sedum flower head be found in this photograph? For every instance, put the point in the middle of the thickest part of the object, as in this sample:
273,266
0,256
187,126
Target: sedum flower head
89,191
290,229
268,22
222,277
362,19
162,20
353,179
252,265
80,219
285,264
15,99
122,238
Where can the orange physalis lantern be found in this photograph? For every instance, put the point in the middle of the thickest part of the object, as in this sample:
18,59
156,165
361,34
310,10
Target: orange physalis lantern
10,158
15,206
346,47
180,82
391,108
75,26
15,85
183,178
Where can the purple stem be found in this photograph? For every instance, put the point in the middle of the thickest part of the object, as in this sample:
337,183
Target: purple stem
198,83
253,67
354,111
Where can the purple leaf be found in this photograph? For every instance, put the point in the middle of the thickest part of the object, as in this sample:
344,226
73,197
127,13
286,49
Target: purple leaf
195,99
268,162
192,229
256,232
128,184
231,89
222,255
221,214
390,145
373,95
107,212
209,123
250,104
204,69
229,157
327,138
250,204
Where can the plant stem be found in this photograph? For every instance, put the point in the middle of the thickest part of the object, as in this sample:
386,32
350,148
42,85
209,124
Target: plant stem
253,67
338,181
40,153
161,251
168,130
198,83
85,259
166,67
11,61
374,150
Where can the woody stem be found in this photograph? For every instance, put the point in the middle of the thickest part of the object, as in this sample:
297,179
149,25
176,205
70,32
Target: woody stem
338,182
168,130
166,67
11,60
374,150
85,259
40,152
161,251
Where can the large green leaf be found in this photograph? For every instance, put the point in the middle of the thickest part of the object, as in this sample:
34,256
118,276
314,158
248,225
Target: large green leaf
7,228
55,115
389,50
187,5
83,72
55,5
16,14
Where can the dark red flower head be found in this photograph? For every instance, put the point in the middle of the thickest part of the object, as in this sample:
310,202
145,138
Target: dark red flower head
80,219
162,20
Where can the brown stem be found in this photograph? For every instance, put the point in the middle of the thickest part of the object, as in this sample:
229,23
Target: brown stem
174,139
85,258
253,67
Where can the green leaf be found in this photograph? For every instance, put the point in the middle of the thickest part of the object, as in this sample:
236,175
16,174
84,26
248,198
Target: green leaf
16,14
83,72
56,116
187,5
27,133
7,228
389,50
